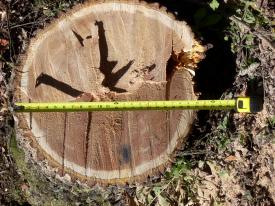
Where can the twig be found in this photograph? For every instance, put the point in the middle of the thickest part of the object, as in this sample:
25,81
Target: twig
29,23
3,172
196,152
247,27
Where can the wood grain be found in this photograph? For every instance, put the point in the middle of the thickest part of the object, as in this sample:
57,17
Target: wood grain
119,51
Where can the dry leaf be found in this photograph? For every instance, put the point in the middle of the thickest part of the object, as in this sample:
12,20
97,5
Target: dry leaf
4,42
230,158
24,187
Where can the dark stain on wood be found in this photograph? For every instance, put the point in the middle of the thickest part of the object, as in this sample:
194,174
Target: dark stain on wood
88,131
64,142
125,154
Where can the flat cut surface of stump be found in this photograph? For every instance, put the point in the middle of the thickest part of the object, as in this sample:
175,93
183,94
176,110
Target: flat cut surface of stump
118,51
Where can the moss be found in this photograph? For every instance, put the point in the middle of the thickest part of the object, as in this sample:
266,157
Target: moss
31,187
18,156
36,189
17,153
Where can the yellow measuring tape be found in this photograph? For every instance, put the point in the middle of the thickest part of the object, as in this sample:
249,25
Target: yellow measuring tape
241,104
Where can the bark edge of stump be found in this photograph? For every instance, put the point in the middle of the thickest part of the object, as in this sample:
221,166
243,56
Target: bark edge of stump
116,147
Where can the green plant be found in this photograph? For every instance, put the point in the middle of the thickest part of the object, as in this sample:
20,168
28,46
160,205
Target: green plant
204,17
223,141
271,121
220,138
224,124
179,178
214,4
251,14
180,168
244,32
53,8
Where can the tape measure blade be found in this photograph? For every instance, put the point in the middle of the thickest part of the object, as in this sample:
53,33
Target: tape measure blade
124,106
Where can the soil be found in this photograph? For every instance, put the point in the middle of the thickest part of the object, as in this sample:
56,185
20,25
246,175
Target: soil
230,156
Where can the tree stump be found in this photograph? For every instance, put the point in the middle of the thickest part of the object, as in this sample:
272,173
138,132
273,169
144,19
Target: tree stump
108,51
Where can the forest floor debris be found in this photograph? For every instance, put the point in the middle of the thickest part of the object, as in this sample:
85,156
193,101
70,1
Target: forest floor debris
229,158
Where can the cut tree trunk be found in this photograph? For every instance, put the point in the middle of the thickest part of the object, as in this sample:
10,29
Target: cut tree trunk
107,51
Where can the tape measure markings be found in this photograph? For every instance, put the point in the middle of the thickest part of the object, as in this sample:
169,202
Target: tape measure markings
134,105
